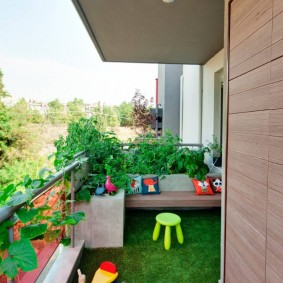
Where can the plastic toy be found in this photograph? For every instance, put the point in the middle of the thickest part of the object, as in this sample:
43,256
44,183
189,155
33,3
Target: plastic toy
106,273
109,186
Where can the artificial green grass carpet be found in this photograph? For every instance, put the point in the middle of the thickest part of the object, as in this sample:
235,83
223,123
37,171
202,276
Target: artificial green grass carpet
142,260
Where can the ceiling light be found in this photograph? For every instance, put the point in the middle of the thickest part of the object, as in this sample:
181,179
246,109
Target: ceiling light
168,1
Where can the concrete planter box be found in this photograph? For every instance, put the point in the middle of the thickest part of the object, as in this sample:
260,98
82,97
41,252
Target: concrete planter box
105,218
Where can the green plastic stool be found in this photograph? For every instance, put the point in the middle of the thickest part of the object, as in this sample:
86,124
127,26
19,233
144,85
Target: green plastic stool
168,219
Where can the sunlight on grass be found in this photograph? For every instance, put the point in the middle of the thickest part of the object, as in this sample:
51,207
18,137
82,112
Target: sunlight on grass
142,260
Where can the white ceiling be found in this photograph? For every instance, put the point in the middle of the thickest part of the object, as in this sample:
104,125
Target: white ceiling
150,31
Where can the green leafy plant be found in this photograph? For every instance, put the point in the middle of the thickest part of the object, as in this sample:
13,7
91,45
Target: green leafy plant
215,147
34,223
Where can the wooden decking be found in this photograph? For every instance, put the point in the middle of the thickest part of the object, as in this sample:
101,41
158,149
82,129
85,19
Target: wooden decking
177,199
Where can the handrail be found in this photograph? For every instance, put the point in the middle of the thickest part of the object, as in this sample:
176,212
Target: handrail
8,211
176,144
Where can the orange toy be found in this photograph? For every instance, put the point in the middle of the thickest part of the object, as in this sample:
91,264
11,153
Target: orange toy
106,273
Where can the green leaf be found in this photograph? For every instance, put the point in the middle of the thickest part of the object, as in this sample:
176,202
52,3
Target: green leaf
27,181
23,254
8,223
83,195
52,235
9,267
72,219
19,197
4,240
8,191
33,230
26,215
66,241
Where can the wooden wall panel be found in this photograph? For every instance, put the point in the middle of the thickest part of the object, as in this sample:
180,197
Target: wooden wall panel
251,212
276,150
274,256
253,62
277,30
251,100
277,70
272,276
259,16
254,44
276,97
277,7
254,79
277,50
251,247
250,122
248,189
254,145
276,123
249,166
239,271
275,176
240,9
254,188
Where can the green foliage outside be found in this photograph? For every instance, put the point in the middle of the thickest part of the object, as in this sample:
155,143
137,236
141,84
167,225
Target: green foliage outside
143,155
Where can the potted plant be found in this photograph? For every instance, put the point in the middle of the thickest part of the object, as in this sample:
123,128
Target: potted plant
216,151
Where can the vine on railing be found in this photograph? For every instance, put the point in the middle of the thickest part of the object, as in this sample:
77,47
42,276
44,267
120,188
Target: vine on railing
17,205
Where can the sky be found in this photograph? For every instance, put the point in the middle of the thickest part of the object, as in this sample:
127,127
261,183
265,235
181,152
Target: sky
46,53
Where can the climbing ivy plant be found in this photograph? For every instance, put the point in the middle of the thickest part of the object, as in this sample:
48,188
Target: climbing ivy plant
34,223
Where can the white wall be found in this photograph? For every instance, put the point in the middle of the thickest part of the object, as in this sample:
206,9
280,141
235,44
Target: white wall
211,88
190,112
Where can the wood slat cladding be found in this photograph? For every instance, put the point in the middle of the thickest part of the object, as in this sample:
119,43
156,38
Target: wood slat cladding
274,250
256,192
276,150
277,70
257,18
253,214
276,97
277,7
249,166
251,247
253,145
254,189
277,50
277,29
240,10
276,123
272,276
251,100
253,79
275,176
253,62
250,123
239,271
254,44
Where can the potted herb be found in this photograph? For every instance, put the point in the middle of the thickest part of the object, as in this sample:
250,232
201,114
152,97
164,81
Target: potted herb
216,151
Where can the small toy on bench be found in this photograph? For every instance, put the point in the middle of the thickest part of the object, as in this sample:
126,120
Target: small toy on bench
106,273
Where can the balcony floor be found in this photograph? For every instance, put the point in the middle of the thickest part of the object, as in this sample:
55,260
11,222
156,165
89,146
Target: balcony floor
143,260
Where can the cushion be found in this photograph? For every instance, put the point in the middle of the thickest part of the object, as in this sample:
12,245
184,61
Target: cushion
216,184
135,185
150,186
202,187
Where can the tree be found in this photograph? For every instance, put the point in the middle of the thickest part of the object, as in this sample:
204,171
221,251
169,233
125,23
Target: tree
5,126
75,110
141,114
56,112
124,111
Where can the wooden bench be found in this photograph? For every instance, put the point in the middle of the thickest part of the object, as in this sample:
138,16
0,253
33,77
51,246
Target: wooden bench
173,199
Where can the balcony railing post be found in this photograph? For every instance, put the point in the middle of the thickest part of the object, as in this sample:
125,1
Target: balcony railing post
11,240
72,205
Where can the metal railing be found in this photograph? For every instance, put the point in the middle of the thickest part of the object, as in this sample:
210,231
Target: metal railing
7,212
